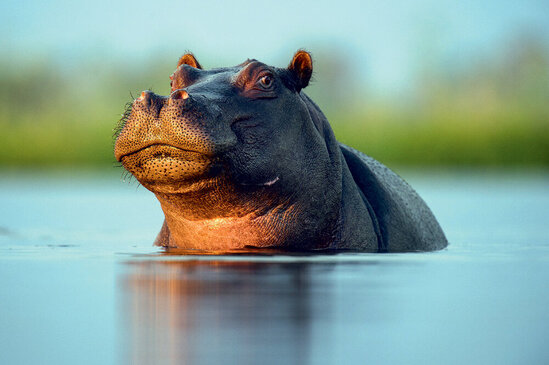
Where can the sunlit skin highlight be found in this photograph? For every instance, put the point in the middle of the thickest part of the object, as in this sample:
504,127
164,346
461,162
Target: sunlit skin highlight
224,233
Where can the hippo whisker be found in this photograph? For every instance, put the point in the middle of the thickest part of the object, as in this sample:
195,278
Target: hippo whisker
122,121
127,177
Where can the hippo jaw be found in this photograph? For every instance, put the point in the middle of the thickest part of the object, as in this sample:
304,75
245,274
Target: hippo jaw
169,169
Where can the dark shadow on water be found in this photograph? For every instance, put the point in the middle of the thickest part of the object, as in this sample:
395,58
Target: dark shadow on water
6,232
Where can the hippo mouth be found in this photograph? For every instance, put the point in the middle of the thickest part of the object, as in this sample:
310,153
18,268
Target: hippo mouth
163,163
159,150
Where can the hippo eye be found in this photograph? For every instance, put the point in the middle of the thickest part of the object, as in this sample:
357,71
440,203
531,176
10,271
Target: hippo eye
266,81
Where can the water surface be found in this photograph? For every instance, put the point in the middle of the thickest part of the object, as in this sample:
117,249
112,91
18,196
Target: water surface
81,283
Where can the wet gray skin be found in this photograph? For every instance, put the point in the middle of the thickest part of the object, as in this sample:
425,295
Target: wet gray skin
240,157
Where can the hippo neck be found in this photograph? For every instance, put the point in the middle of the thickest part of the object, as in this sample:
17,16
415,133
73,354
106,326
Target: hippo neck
272,227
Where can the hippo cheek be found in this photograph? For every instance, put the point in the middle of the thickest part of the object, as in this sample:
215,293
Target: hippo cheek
268,155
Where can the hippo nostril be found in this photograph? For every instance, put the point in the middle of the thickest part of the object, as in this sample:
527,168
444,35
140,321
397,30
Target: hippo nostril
145,97
179,94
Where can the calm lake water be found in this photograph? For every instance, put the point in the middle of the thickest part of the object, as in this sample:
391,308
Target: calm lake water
82,284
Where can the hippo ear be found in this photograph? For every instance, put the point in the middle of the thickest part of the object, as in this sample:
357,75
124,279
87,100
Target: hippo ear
188,59
302,68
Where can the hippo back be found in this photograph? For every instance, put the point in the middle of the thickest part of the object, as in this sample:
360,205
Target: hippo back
405,222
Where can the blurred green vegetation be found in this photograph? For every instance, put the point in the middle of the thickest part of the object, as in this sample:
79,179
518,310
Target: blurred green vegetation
492,112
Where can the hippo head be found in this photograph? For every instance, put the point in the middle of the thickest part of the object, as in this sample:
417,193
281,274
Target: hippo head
237,156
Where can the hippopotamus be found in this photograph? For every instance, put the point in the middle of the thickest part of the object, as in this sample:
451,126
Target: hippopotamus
240,157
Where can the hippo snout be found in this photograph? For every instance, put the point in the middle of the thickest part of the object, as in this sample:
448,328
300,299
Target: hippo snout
180,121
175,137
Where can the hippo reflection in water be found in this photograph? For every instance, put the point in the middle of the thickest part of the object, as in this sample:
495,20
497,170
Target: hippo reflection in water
240,157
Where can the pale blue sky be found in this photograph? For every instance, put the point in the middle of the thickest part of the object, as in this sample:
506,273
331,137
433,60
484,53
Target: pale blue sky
387,38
